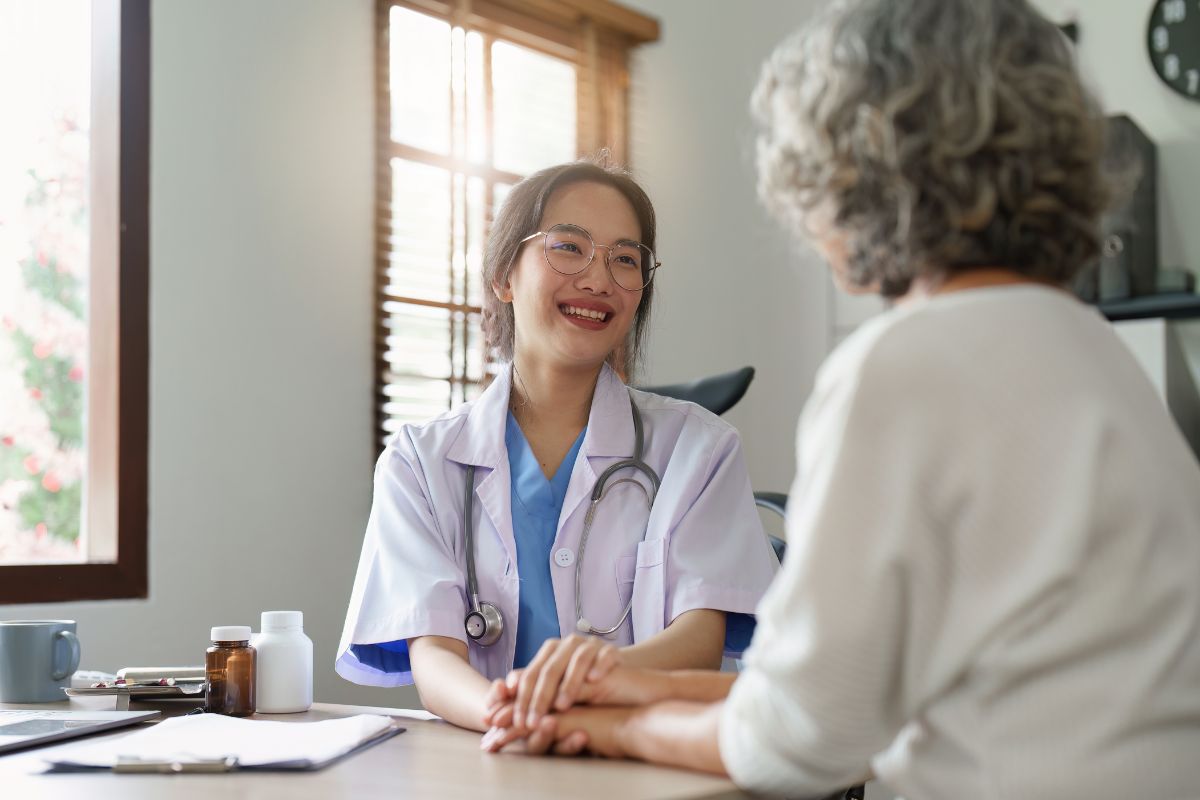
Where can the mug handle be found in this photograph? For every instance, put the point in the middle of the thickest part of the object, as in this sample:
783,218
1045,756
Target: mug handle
73,640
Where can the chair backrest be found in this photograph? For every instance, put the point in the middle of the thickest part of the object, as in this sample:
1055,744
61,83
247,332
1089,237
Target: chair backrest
717,393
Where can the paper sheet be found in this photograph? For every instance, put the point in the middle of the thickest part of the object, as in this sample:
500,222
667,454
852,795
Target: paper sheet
204,737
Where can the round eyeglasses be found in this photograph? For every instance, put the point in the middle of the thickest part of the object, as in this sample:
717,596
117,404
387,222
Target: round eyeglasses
569,250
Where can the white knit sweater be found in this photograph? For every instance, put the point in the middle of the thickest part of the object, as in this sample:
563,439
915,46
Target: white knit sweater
992,584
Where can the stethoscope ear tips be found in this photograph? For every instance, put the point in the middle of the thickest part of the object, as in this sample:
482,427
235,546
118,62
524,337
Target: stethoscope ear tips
583,626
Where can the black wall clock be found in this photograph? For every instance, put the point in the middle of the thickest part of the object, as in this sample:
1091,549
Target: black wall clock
1173,38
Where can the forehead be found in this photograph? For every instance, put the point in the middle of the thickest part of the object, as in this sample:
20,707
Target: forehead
598,207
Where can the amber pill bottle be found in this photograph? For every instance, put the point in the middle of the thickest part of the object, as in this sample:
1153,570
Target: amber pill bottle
229,668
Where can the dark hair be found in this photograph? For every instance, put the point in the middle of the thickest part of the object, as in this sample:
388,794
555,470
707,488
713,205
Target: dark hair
520,216
938,136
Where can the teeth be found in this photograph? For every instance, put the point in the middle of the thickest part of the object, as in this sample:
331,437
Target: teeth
586,313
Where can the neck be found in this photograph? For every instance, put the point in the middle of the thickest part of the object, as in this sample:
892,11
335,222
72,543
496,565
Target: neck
554,396
925,286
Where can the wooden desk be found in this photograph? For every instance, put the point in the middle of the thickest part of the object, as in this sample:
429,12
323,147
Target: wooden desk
432,759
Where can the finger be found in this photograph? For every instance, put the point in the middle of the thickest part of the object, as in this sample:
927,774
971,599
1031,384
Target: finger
494,699
542,737
529,675
503,717
606,660
572,744
577,671
496,739
551,677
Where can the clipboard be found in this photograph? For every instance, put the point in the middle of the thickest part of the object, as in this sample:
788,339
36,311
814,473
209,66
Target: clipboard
211,743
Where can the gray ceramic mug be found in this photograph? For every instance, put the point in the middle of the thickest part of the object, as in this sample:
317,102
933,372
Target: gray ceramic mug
37,657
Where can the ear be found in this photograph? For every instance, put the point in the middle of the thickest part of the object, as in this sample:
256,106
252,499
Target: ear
503,291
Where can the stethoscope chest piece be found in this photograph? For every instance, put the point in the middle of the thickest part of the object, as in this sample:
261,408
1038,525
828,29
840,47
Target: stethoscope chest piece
484,624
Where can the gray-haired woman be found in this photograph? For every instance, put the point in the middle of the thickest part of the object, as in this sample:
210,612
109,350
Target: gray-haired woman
991,586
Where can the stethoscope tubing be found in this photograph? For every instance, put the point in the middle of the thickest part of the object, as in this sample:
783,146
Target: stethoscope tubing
598,492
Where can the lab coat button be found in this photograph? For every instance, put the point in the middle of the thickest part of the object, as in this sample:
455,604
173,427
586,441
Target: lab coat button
564,557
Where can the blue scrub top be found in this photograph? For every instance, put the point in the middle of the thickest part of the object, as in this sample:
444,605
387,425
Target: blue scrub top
536,506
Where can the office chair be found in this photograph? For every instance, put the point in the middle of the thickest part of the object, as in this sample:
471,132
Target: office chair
718,394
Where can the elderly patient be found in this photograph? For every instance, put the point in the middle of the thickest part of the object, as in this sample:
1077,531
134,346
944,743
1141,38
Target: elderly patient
993,582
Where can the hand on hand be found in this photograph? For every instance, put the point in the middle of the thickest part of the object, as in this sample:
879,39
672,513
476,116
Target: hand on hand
593,730
554,680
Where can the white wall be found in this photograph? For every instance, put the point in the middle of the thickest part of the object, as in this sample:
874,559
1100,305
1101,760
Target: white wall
261,446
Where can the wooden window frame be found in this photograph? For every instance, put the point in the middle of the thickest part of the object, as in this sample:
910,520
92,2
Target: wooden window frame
594,35
118,331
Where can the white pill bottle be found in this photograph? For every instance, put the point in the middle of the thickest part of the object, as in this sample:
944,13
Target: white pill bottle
285,663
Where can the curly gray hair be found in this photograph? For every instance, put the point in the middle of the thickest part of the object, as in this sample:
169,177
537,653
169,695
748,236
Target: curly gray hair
938,135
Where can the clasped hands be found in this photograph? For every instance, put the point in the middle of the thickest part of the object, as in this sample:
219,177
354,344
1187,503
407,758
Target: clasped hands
574,696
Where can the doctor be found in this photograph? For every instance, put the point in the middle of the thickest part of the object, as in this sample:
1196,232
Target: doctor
560,503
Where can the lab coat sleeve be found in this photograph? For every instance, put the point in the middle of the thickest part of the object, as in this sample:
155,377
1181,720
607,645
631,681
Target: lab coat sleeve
819,693
718,555
409,582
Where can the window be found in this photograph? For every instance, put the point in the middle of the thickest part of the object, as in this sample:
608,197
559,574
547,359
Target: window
74,152
473,96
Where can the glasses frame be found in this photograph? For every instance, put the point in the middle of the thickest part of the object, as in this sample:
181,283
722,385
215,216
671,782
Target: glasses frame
654,265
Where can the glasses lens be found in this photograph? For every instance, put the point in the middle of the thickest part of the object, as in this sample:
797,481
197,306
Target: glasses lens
568,249
630,265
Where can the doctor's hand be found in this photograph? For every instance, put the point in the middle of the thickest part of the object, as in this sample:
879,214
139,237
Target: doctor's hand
554,680
594,730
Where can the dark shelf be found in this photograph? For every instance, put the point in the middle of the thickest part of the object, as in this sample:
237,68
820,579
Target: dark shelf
1179,305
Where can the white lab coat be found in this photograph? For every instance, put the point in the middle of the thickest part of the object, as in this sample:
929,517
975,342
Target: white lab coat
704,545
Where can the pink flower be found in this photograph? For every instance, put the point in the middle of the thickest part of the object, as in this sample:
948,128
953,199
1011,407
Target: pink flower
31,465
51,483
35,393
40,529
9,325
8,441
42,258
76,373
43,350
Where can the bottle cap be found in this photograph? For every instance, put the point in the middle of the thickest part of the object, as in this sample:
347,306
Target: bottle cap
230,633
282,620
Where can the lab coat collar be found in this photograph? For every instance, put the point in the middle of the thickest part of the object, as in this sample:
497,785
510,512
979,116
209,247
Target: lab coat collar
481,440
609,433
610,422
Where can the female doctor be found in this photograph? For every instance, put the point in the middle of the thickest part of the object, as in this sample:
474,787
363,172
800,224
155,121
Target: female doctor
562,520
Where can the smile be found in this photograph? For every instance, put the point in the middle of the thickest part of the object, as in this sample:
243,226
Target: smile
585,313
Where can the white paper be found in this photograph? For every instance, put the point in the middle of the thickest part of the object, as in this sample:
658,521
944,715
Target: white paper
206,737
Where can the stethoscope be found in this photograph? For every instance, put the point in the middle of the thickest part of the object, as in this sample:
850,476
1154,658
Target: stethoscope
484,622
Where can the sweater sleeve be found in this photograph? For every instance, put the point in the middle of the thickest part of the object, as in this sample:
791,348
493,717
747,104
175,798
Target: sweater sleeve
820,691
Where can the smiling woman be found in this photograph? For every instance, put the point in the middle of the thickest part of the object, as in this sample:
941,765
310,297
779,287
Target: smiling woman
561,503
73,251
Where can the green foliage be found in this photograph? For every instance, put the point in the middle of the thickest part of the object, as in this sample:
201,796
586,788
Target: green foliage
62,398
58,510
57,287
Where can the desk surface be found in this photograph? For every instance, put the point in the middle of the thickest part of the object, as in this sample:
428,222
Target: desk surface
432,759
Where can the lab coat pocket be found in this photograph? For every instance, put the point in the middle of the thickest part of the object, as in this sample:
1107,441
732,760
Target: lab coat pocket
625,569
649,590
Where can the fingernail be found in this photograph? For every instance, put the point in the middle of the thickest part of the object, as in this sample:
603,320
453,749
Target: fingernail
532,720
595,674
562,702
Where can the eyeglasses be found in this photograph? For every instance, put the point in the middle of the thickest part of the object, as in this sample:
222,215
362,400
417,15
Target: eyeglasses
569,250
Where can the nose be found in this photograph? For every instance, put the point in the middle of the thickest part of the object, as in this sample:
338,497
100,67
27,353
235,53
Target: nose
596,278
